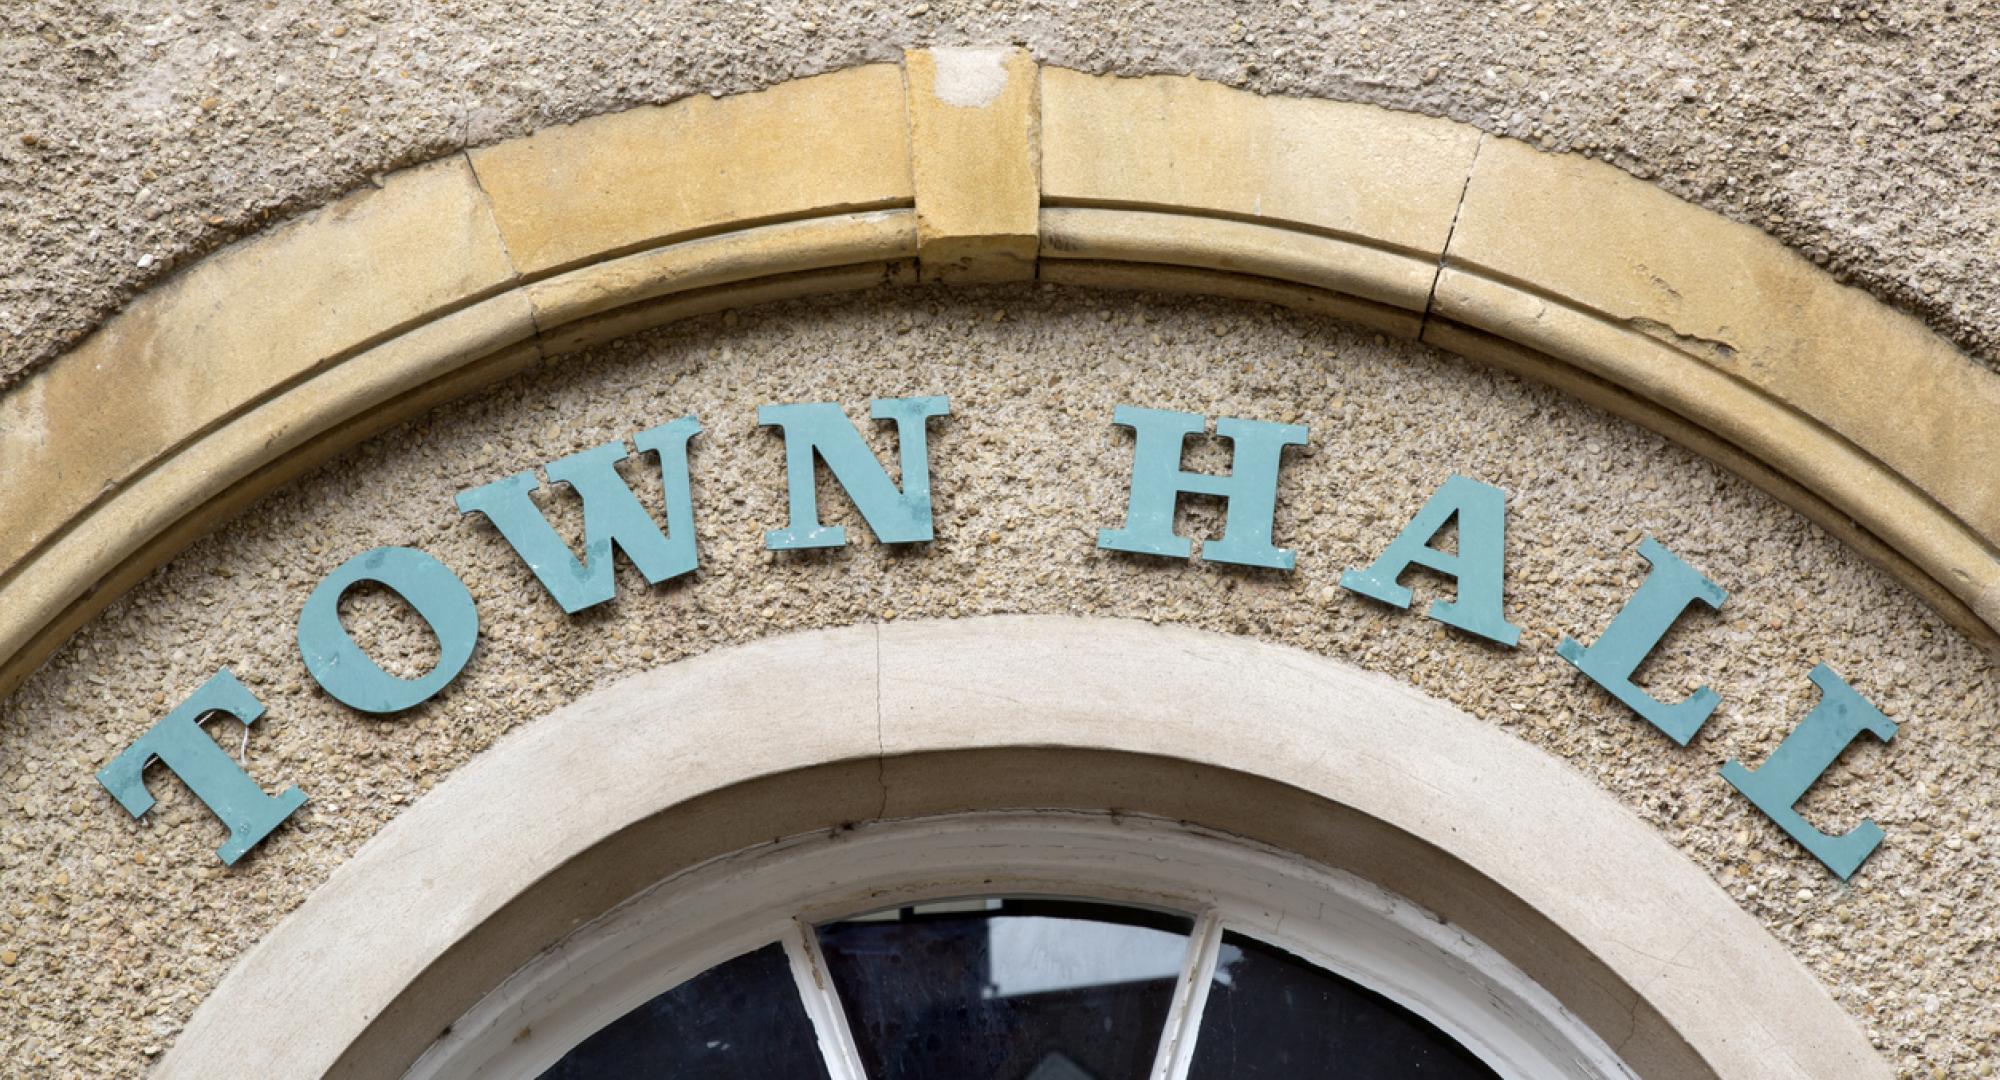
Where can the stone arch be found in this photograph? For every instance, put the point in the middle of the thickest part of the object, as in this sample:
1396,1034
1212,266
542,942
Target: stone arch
811,731
979,165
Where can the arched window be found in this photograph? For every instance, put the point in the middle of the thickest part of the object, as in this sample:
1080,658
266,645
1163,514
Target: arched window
1018,947
1022,988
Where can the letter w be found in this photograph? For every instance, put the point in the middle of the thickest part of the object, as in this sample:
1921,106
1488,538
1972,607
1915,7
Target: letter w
611,516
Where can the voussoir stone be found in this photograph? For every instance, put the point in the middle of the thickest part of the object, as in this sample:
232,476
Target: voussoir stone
1385,178
972,154
1732,297
236,328
624,182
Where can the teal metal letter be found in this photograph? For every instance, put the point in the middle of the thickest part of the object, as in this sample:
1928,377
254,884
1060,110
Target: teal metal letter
897,517
1670,587
611,516
1805,755
1250,490
339,665
1480,567
179,742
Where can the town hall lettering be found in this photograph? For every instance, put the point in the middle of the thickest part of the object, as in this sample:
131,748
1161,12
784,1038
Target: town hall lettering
615,521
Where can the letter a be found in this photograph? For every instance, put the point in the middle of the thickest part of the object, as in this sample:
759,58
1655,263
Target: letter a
1480,567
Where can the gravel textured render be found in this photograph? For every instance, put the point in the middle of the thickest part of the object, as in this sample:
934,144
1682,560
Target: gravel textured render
111,932
136,136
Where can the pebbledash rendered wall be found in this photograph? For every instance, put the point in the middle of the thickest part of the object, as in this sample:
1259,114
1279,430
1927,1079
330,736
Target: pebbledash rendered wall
111,932
1025,472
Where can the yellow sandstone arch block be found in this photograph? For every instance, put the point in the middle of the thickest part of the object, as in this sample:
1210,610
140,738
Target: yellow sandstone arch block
634,180
1360,197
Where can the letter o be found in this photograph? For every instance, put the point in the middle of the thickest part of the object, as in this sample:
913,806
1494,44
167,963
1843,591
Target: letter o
339,665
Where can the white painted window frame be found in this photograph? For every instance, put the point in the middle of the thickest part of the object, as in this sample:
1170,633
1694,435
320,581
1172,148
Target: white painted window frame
777,892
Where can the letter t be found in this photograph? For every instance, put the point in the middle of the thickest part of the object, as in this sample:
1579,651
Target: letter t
218,782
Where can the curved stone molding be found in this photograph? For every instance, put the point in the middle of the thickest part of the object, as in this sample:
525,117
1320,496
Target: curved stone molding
1724,327
1380,188
262,360
808,732
611,185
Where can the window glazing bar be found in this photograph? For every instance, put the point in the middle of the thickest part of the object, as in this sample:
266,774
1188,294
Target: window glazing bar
1177,1036
822,1004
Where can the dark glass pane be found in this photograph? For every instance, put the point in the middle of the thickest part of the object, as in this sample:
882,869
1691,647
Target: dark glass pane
1007,989
1271,1014
740,1020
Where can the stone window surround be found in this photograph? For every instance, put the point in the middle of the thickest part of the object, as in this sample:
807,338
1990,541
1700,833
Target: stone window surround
809,733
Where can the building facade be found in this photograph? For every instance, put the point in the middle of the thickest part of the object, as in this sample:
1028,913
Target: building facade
1142,541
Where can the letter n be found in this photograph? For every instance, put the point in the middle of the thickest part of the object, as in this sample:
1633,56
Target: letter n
822,430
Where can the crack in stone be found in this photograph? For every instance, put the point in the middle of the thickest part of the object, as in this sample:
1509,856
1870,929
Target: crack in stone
534,317
1444,250
881,744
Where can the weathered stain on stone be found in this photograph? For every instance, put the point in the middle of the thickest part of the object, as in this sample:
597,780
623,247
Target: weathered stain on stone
970,78
1719,353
